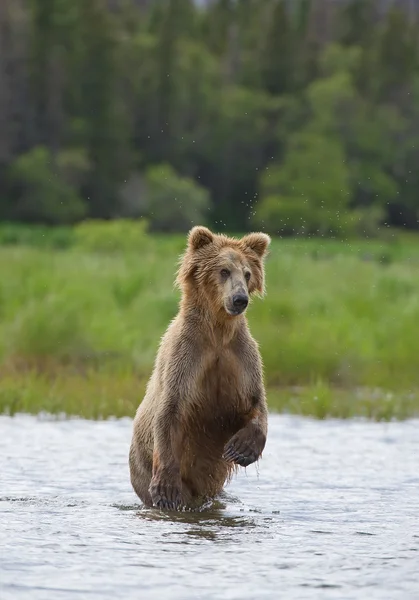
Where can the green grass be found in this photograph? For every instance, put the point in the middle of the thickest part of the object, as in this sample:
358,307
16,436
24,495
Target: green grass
338,329
98,394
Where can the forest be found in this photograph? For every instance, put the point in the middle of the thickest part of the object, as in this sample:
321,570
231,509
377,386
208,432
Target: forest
298,118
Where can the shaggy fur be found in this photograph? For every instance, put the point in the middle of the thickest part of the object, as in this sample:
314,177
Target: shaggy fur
204,411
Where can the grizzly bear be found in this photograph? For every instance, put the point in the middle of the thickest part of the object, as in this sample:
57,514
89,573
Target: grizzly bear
204,411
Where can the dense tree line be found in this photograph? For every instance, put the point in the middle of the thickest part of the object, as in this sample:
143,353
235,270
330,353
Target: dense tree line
296,116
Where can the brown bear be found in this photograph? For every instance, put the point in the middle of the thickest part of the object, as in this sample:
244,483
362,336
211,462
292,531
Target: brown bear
204,410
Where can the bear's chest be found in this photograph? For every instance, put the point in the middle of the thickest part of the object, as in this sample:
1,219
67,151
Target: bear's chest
226,384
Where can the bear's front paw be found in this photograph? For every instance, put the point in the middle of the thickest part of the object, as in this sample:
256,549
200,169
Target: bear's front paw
166,493
245,447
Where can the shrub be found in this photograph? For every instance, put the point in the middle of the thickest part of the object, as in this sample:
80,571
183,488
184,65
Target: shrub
173,203
309,192
111,236
365,221
40,236
43,193
51,328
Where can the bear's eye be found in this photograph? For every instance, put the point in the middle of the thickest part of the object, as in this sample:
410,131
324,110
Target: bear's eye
247,275
225,273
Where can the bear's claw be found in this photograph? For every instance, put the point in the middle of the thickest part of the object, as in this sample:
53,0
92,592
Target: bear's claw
244,459
245,447
165,496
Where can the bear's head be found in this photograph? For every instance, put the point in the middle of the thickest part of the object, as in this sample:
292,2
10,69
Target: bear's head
223,272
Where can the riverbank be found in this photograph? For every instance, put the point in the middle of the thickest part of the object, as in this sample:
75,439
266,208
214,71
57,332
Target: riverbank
102,395
337,329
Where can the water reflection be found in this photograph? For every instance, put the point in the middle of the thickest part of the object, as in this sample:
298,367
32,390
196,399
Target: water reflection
212,522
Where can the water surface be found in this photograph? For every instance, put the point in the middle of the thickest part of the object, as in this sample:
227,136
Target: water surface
332,511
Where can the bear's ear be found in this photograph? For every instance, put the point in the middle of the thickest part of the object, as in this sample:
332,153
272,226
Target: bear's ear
199,236
258,242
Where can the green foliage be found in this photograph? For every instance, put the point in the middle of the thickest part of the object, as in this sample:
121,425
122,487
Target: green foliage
110,393
366,221
44,193
309,193
342,160
94,93
241,128
323,401
120,235
279,49
40,236
355,22
396,55
73,165
79,329
49,328
173,203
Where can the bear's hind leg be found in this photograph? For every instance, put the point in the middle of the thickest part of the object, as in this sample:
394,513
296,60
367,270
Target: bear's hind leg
140,478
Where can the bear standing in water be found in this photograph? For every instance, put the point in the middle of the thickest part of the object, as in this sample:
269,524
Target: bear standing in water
204,411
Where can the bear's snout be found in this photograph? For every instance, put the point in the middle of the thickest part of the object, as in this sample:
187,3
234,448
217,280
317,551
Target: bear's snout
240,302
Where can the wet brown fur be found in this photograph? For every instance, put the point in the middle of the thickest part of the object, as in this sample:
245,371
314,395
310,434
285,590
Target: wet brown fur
204,411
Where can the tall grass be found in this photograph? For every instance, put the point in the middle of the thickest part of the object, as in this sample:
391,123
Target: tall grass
336,315
342,320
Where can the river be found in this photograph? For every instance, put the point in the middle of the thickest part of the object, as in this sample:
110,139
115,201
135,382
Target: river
331,511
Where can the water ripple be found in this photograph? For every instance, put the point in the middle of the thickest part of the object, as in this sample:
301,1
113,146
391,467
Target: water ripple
330,512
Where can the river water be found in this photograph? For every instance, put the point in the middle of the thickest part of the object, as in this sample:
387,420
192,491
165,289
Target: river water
332,511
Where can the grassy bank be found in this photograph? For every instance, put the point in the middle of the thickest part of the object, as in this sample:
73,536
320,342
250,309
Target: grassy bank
102,394
79,329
